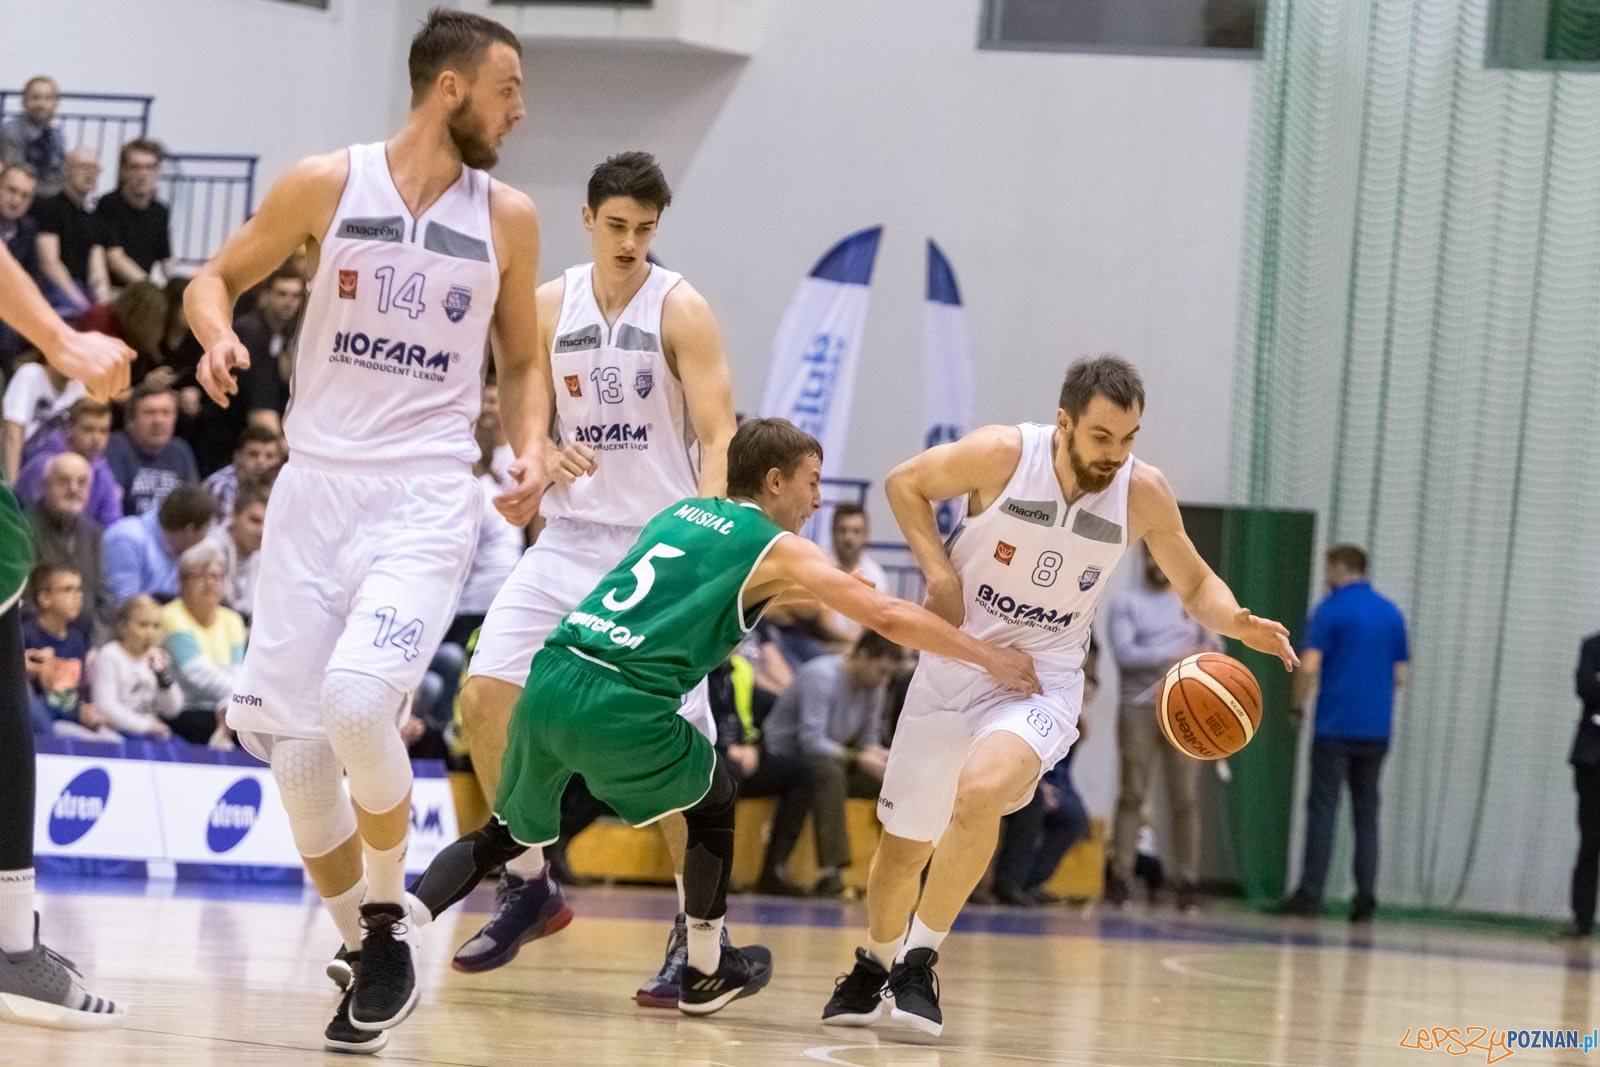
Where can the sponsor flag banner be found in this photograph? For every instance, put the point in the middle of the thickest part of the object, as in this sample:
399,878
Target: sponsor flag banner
814,358
946,370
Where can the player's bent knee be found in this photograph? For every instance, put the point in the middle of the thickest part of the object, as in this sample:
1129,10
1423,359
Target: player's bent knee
308,777
901,856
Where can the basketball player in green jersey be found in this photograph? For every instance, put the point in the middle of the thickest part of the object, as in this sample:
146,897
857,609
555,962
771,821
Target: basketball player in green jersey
37,985
603,694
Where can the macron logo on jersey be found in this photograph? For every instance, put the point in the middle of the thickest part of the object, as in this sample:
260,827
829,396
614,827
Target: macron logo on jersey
702,517
391,229
392,356
1039,512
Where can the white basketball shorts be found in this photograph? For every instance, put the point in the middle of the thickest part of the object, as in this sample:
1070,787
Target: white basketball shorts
950,708
359,572
551,579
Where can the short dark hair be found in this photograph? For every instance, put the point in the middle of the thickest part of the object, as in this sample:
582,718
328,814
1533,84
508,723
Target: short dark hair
148,145
27,168
144,391
87,409
1106,375
630,174
185,506
848,510
874,645
255,492
452,39
761,445
256,434
286,274
1349,557
43,574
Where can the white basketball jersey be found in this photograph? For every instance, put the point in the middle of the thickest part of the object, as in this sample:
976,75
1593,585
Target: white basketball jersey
615,394
389,368
1032,566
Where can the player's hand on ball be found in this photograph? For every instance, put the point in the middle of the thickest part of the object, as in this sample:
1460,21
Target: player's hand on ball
1013,669
944,598
216,373
101,363
1265,635
572,462
529,478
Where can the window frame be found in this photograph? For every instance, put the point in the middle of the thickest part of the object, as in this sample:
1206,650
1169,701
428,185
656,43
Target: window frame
989,40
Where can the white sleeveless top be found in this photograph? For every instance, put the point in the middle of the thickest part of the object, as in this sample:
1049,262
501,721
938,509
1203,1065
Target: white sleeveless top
389,368
615,394
1032,567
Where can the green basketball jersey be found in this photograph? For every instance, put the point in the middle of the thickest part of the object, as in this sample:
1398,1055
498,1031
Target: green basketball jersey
16,549
674,608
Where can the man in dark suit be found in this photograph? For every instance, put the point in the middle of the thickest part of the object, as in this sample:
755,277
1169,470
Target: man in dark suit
1585,760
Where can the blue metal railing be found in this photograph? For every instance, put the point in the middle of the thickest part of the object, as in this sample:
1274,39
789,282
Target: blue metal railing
103,121
211,196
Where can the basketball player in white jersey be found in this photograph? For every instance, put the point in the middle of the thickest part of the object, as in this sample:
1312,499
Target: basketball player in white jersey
1051,509
644,410
420,259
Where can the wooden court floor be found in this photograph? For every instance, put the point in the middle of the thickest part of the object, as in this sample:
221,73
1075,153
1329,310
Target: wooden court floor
234,977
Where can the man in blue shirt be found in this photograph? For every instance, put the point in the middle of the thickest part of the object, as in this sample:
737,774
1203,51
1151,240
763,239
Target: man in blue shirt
140,552
1356,655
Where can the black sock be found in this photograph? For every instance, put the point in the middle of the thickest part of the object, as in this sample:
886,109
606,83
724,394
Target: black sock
16,749
708,864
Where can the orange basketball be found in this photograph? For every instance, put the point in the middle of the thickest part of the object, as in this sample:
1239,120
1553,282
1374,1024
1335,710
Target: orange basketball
1210,705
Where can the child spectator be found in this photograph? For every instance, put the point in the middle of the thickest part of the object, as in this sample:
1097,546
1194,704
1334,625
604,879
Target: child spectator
135,688
57,650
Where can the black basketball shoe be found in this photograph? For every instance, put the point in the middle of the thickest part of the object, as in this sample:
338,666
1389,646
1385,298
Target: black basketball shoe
742,972
858,996
915,991
386,988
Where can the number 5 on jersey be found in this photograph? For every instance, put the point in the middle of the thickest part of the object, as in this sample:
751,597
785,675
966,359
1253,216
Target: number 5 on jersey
644,572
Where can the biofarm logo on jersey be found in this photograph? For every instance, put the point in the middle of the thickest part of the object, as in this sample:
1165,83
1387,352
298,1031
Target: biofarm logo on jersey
1021,612
614,436
392,355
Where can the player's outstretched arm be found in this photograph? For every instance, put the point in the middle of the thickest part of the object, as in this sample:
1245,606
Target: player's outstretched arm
796,561
101,363
695,344
980,463
299,206
1153,509
521,358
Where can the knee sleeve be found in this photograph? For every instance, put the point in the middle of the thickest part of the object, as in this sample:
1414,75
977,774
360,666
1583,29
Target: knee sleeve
708,864
308,777
362,714
462,864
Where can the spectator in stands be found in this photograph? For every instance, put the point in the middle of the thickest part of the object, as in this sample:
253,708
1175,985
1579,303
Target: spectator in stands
771,674
138,243
142,551
239,541
500,544
64,535
833,716
20,235
135,688
57,648
32,137
36,394
72,241
147,459
1035,839
1585,759
206,643
138,315
761,772
1357,656
87,432
258,453
851,529
1150,632
268,334
179,349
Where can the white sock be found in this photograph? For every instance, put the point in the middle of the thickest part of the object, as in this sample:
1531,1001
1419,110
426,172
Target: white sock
420,915
683,908
885,952
527,866
345,910
921,937
16,910
386,873
705,945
